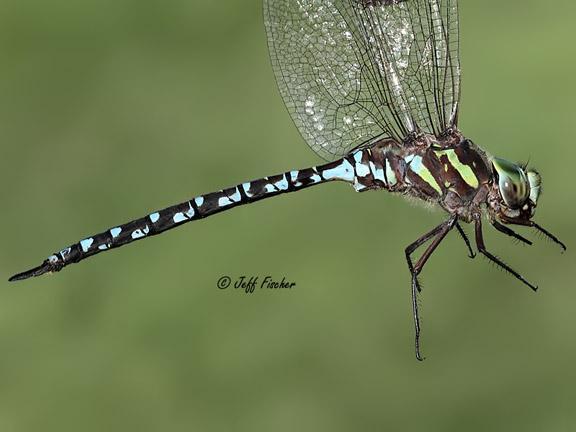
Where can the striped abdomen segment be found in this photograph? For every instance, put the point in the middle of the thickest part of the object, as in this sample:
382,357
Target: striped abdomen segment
197,208
376,168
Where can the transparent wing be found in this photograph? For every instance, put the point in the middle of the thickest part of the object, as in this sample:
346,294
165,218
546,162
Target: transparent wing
352,71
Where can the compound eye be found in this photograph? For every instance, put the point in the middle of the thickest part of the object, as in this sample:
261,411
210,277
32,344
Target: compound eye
512,183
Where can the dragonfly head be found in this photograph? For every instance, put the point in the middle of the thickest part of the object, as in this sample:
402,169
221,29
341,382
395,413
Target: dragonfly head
515,191
514,196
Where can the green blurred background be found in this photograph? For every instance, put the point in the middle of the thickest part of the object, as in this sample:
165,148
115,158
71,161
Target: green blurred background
110,109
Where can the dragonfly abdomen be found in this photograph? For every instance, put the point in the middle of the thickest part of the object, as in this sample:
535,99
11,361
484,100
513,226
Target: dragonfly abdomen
197,208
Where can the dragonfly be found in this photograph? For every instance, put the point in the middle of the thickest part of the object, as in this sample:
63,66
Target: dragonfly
373,86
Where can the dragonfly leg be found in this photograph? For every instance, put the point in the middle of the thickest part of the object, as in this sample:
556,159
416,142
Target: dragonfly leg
462,233
494,259
419,242
533,224
438,234
504,229
549,235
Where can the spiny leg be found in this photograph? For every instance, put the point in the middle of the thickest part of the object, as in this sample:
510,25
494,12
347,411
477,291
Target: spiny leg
549,235
504,229
414,282
438,233
462,233
533,224
494,259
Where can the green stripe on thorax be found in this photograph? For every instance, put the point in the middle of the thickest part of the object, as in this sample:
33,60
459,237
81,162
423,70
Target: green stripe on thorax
464,170
417,167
